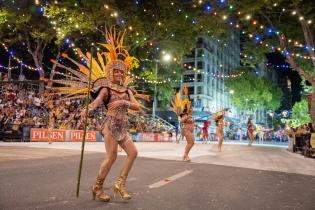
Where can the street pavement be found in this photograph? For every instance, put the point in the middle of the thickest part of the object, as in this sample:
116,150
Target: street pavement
43,176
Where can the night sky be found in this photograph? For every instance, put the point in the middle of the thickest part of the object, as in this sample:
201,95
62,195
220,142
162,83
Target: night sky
278,60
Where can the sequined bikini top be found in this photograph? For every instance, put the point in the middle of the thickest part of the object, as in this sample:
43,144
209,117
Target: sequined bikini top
119,112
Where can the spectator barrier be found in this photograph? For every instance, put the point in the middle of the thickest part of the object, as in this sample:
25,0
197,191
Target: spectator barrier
57,135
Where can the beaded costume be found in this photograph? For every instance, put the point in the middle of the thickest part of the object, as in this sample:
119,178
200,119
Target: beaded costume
102,68
250,131
218,117
116,120
183,109
205,129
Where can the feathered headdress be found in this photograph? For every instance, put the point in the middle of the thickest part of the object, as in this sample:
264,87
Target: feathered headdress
117,56
179,105
75,83
219,114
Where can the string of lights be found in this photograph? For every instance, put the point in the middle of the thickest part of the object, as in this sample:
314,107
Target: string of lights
283,66
17,59
207,7
269,31
4,67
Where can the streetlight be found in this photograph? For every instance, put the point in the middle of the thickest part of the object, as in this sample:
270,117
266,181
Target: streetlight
166,57
271,114
245,112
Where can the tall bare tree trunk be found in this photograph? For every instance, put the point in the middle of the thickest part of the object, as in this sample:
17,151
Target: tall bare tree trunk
52,73
36,49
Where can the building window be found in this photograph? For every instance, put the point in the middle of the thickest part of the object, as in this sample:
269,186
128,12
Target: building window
189,77
189,65
208,68
199,77
199,65
191,91
198,103
199,90
200,40
200,53
191,55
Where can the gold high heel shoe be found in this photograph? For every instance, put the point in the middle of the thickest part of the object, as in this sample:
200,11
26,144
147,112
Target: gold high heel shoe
97,190
186,159
119,187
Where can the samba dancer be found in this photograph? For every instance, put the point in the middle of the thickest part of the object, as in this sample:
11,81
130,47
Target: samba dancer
250,131
184,110
110,87
218,117
204,129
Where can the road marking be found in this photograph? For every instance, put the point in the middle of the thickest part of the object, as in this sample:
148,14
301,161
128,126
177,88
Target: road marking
170,179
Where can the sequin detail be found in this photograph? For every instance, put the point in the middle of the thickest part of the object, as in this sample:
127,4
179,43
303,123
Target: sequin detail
116,120
188,123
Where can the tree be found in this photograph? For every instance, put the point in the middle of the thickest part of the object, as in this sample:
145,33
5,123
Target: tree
75,21
39,26
253,92
300,114
153,27
281,20
22,22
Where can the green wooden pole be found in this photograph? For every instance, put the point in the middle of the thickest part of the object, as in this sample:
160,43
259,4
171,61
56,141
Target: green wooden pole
85,125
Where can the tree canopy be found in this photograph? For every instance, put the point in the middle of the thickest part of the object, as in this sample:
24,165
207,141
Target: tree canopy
283,26
21,24
253,92
300,114
154,27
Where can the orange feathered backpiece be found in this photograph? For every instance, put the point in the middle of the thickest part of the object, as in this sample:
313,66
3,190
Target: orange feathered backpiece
75,82
217,115
178,105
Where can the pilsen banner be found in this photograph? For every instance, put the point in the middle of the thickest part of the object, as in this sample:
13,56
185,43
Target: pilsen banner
63,135
57,135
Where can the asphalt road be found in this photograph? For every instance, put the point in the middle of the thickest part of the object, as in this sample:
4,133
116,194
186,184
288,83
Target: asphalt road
49,182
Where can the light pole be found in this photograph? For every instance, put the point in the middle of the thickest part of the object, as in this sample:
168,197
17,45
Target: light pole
166,57
230,103
246,101
154,97
271,114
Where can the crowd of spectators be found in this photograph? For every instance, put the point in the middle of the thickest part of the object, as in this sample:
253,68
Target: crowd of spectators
144,124
21,104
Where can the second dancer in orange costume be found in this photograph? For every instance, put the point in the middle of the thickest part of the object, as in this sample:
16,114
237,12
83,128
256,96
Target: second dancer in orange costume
184,110
219,132
188,131
250,131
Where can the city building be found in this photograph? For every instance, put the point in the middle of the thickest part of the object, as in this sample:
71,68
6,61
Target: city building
209,64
